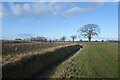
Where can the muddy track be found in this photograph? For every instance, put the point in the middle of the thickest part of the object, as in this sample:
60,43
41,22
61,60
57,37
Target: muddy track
45,69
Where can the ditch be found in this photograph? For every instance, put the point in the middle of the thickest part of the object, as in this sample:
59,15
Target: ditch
52,66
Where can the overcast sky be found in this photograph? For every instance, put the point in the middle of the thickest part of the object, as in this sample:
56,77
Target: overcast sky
57,19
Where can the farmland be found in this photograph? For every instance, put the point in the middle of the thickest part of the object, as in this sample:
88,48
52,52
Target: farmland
23,63
95,60
15,49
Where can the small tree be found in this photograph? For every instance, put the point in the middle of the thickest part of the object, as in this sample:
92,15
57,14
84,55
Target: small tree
89,31
73,37
80,40
102,40
96,40
63,38
18,39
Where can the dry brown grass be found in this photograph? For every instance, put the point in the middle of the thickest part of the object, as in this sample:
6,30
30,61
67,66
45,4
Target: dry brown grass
16,47
28,65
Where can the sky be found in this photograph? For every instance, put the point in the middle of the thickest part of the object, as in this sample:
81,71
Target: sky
56,19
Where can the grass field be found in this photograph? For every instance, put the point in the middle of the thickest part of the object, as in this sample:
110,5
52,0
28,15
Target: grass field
96,60
17,49
29,64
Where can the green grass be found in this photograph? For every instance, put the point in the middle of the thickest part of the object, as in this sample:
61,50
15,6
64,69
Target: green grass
96,60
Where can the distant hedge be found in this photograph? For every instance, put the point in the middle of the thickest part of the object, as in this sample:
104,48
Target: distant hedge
9,47
28,66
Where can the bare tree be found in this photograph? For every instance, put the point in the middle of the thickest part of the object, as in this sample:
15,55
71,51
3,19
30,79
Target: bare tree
73,37
63,38
39,38
89,31
80,40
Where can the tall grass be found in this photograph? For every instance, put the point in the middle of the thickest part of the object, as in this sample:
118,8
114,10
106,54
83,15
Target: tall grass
10,47
28,66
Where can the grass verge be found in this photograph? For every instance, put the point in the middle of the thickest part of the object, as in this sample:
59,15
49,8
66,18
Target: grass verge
96,60
27,66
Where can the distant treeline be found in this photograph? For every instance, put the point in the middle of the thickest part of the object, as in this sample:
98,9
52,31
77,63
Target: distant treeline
62,39
38,38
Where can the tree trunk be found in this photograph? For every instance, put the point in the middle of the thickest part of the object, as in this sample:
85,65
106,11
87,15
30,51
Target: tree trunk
89,38
73,40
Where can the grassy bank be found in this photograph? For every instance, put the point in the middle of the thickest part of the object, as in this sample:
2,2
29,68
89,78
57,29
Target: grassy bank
17,49
96,60
29,65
